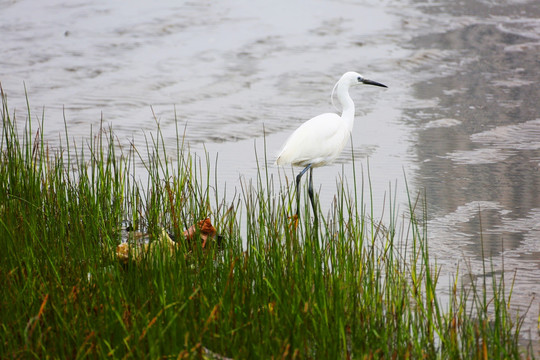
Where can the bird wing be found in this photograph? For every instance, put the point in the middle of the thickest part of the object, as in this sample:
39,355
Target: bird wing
318,141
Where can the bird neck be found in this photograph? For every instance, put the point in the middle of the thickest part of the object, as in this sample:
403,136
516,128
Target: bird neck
346,104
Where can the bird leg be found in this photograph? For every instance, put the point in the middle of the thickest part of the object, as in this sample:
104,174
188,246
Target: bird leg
298,177
310,192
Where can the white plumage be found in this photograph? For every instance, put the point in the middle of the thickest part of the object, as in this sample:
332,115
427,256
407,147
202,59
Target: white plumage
317,142
320,140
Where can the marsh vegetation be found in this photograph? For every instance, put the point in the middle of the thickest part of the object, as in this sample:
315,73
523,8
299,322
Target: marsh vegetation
275,288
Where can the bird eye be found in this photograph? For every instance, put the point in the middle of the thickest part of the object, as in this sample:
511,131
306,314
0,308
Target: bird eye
360,79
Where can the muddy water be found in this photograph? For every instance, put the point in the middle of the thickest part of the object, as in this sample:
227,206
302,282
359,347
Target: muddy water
461,117
478,147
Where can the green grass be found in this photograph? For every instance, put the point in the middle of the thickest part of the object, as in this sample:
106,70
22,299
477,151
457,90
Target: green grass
350,289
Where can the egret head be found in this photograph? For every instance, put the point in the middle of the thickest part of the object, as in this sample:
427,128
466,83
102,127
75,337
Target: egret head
349,79
353,78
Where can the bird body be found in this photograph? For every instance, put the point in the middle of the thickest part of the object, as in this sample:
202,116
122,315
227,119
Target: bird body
320,140
309,145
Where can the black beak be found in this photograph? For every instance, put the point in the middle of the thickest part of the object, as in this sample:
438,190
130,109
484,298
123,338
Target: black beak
371,82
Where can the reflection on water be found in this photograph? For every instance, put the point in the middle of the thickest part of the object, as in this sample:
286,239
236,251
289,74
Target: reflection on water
461,117
487,196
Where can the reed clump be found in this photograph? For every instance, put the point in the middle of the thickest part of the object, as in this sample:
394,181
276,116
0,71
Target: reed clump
276,289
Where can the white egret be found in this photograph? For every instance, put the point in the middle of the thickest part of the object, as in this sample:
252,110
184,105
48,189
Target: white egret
320,140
